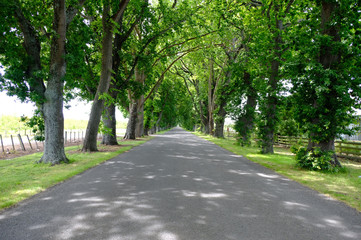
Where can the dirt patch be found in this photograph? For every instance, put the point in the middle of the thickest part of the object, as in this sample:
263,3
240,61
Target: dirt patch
18,152
10,153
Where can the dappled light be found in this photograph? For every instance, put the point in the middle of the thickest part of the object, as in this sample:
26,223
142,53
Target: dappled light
182,194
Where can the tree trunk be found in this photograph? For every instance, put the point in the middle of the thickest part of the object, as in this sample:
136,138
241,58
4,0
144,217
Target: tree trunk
329,59
146,131
139,128
109,118
206,128
130,133
271,105
110,123
246,121
328,145
137,109
158,121
221,115
53,107
90,140
271,98
148,120
210,99
32,47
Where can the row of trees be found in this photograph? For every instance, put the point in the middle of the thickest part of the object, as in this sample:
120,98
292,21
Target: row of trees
267,64
290,66
113,53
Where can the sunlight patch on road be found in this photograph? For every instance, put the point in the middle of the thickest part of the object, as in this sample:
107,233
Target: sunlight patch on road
267,175
204,195
239,172
295,205
167,236
90,199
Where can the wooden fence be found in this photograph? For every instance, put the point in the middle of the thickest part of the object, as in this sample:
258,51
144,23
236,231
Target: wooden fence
13,143
348,149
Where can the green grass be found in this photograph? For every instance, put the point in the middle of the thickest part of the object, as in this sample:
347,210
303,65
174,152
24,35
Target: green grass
22,178
345,187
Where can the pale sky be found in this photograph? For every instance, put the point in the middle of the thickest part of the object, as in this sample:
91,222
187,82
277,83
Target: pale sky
79,109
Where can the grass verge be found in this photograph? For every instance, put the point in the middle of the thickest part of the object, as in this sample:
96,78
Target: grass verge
22,178
345,187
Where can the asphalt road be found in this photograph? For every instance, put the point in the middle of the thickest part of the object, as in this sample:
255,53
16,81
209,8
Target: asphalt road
180,187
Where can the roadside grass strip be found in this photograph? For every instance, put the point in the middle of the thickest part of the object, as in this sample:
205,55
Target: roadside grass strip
22,177
345,187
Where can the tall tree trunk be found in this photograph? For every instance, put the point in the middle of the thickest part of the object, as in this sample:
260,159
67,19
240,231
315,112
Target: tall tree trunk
158,121
130,133
90,140
210,98
204,119
246,121
329,59
137,106
139,128
271,98
270,112
148,120
53,107
109,120
221,115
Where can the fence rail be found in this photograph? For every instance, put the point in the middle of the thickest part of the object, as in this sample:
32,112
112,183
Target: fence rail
16,143
348,149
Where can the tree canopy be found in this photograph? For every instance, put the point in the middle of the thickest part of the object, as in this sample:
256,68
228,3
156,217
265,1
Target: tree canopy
275,67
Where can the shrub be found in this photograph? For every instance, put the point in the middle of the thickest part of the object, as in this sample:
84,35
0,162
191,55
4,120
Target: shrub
316,159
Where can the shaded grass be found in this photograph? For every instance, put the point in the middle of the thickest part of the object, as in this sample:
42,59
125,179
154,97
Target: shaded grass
345,187
22,178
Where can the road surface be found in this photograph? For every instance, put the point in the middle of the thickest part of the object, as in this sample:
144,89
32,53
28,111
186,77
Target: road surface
180,187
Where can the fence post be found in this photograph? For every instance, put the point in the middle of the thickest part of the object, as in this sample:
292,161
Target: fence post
66,137
29,142
340,147
21,142
2,144
36,144
12,142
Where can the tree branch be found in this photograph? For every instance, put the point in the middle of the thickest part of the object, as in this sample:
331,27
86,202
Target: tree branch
162,77
72,11
122,6
144,47
32,47
289,6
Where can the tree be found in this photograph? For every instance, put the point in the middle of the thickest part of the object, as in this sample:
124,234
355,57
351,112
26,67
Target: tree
26,75
108,23
117,86
326,77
